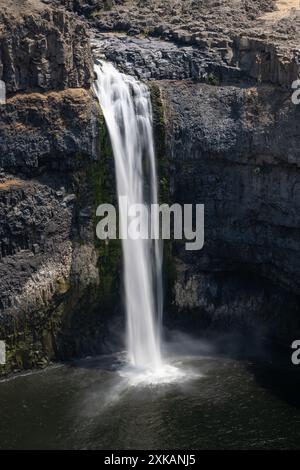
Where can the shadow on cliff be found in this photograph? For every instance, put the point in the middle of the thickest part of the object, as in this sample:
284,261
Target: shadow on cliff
268,362
279,377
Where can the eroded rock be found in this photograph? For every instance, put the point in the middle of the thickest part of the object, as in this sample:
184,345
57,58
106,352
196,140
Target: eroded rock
42,48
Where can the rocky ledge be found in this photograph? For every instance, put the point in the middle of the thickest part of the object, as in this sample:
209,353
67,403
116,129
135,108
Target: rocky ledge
42,48
260,38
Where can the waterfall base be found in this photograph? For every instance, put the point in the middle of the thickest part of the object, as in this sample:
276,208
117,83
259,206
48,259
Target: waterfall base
166,374
230,404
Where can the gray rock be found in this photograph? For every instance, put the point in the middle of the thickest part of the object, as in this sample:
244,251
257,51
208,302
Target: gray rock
235,149
43,48
55,130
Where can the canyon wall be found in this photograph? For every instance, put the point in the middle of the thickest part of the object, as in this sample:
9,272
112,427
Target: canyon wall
42,48
52,148
230,136
235,149
227,136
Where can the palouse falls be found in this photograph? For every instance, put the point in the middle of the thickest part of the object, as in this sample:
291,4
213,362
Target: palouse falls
149,201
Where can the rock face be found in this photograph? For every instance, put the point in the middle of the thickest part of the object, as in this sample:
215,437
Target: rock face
156,59
266,61
49,130
48,257
234,302
235,149
231,142
232,33
50,185
42,48
227,136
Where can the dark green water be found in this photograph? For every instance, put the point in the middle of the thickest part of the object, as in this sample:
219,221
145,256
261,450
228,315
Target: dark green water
87,405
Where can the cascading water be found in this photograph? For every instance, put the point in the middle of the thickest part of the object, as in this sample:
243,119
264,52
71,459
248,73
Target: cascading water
127,110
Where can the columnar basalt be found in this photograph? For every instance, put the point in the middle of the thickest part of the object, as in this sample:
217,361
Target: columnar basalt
235,149
49,130
42,48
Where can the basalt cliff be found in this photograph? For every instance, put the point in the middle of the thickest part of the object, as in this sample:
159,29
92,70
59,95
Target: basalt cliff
227,135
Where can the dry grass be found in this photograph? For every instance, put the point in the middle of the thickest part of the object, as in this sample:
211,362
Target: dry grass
284,8
12,183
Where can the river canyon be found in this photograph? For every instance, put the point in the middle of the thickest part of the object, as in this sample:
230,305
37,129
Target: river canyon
163,101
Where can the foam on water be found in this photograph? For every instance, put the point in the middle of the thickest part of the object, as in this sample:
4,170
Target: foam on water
166,374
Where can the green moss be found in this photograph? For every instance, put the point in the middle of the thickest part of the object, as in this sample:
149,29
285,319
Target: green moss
63,285
107,5
261,170
30,340
212,79
159,126
257,171
101,177
163,169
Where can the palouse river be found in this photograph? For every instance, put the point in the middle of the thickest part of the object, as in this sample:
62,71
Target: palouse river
221,404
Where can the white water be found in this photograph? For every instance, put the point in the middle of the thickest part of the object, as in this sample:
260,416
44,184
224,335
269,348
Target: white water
126,106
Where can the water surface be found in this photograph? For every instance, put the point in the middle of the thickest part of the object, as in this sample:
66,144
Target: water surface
227,404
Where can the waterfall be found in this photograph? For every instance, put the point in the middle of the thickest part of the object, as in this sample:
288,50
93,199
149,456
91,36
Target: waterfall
127,110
